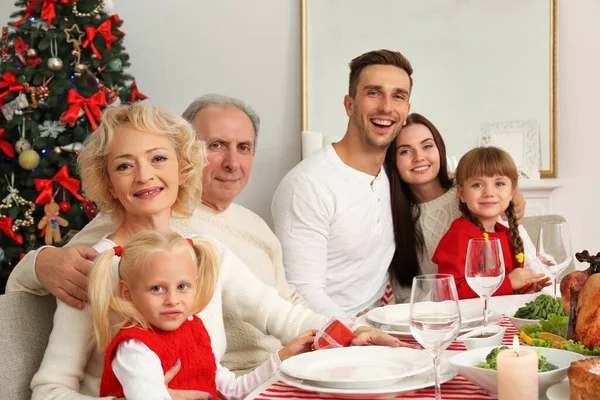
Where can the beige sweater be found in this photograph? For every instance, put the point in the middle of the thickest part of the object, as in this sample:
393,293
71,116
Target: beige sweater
436,217
251,239
70,370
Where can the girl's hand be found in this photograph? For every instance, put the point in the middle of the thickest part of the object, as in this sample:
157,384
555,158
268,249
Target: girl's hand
520,277
298,346
539,285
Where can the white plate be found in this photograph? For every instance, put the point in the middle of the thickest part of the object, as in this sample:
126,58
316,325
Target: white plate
357,367
396,315
415,382
560,391
493,319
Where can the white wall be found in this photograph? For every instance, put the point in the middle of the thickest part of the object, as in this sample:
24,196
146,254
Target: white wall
579,133
251,49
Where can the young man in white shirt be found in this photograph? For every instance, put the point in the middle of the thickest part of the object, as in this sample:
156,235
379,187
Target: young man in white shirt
332,212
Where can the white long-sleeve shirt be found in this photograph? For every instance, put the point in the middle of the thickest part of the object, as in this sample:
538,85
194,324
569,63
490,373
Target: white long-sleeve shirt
71,369
336,231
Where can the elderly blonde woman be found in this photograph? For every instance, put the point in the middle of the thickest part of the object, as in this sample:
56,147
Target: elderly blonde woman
143,165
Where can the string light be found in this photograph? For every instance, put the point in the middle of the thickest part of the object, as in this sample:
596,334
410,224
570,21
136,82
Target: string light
43,151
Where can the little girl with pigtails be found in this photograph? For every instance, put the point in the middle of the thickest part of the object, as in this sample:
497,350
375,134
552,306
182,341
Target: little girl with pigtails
486,180
164,280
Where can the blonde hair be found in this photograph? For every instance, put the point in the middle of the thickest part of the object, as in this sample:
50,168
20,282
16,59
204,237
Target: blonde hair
145,117
110,311
490,161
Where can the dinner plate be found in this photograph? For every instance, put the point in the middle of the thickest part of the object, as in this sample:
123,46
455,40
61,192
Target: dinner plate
357,367
559,391
493,319
411,383
396,316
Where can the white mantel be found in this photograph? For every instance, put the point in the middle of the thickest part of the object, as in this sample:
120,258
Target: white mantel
538,194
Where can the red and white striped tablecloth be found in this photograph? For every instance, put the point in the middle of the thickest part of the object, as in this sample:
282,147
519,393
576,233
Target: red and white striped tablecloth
457,388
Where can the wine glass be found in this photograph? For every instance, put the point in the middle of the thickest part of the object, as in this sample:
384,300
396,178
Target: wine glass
434,316
553,249
484,269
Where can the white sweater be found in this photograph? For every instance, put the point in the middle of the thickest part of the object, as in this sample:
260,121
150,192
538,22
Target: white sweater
335,227
69,370
436,217
251,239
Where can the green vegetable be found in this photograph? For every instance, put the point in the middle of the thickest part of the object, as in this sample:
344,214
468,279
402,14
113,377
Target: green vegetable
543,307
491,361
543,364
558,326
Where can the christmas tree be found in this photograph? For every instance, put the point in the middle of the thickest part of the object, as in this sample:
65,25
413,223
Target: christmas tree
63,62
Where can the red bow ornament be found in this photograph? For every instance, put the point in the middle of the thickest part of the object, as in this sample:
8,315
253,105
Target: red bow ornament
8,81
104,30
135,93
117,21
5,146
20,51
91,105
48,9
6,227
44,186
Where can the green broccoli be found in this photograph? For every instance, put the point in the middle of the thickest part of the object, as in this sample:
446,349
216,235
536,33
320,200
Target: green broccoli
543,364
491,361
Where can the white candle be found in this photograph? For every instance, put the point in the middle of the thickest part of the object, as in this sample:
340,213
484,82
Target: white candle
517,373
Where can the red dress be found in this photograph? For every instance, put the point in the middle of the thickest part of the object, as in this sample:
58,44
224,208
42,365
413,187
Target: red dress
189,343
451,255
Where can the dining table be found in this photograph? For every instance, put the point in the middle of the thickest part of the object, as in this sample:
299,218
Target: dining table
456,388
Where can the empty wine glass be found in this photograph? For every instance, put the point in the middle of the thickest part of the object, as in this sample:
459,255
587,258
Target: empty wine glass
484,269
553,249
434,316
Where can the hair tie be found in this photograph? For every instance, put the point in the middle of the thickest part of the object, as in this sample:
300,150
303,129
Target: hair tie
118,251
190,241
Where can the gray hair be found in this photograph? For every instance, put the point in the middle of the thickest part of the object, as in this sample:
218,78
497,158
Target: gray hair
219,100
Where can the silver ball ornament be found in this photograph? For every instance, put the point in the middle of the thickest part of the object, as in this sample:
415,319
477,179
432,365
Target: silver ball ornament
31,53
29,159
79,69
22,145
55,63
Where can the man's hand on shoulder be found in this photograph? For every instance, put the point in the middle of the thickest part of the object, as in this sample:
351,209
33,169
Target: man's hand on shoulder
64,272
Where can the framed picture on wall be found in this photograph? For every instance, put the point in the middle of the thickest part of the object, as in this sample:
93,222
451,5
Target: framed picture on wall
521,139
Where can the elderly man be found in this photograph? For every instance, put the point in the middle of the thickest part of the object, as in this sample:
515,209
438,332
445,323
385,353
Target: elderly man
230,129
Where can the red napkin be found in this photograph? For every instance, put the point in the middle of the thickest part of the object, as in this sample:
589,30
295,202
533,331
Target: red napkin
333,334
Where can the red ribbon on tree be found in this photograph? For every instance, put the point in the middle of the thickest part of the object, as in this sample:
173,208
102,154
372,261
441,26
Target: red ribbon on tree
28,11
9,82
20,51
6,227
91,105
44,186
117,21
48,9
104,30
135,93
5,145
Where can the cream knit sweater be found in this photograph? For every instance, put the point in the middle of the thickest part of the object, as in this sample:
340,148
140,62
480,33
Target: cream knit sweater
436,217
251,239
70,370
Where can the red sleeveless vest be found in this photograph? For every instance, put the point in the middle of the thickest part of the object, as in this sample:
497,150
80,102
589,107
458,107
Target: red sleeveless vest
190,343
